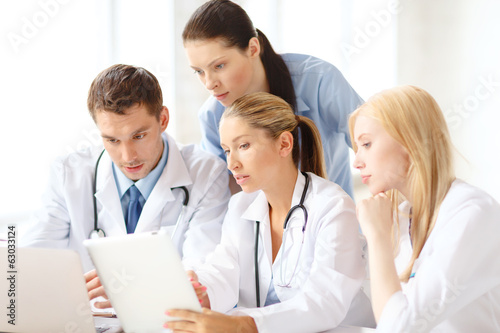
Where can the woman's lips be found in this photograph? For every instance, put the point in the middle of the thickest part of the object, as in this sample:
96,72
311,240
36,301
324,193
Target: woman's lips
240,179
221,96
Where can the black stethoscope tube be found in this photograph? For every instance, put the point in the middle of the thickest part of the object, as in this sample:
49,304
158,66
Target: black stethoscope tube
287,218
256,263
97,232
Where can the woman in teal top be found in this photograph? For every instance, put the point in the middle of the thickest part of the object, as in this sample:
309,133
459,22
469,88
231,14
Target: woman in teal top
232,59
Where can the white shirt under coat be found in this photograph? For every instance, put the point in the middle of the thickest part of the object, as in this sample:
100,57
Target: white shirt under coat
329,274
67,216
456,286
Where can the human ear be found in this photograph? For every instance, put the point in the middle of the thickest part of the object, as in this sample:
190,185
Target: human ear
254,47
286,143
164,118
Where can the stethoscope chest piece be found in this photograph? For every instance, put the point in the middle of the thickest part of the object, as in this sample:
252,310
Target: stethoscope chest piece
97,233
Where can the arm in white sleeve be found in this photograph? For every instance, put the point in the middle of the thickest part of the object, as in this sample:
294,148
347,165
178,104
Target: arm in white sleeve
461,266
51,224
204,230
221,272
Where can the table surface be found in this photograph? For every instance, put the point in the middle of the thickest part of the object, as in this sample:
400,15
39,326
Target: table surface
351,329
102,321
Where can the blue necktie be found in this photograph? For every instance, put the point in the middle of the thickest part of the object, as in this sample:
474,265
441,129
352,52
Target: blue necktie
134,209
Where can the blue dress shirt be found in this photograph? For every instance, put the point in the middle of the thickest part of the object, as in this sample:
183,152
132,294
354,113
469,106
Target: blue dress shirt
323,95
145,185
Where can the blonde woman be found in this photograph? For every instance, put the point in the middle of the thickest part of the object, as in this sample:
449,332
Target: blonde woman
280,268
446,274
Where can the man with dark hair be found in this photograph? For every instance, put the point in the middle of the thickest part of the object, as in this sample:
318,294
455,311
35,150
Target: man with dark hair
135,183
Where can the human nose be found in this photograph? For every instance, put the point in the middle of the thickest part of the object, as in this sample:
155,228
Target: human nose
129,153
211,81
232,162
358,163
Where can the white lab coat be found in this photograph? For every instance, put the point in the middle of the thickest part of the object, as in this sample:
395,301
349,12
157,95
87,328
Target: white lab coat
456,287
67,216
329,274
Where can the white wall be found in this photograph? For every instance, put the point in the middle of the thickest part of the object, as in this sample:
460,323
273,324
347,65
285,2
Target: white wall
448,47
49,52
451,48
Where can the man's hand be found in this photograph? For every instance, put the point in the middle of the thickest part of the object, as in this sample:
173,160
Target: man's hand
95,289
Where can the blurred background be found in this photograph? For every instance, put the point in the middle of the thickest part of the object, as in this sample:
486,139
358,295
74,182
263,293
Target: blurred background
51,50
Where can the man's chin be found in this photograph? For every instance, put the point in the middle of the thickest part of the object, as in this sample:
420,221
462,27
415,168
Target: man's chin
134,176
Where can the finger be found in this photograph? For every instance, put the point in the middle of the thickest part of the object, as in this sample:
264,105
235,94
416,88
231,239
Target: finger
90,275
102,305
96,292
200,292
198,286
206,311
186,315
178,331
180,326
192,276
93,284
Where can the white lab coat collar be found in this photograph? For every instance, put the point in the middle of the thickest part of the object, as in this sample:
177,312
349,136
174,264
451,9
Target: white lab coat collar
174,174
107,193
258,210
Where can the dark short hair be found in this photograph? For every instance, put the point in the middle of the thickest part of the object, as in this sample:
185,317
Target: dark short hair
120,87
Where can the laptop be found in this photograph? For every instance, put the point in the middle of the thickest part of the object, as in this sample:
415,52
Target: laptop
44,292
143,277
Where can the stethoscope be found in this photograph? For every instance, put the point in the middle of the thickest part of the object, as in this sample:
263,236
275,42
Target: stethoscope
99,233
285,224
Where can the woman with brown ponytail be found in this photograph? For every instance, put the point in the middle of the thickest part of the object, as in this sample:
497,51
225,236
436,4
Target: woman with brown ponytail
232,58
279,269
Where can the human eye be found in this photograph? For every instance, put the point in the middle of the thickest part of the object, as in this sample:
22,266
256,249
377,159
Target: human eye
366,144
198,71
219,66
112,140
244,146
139,136
226,152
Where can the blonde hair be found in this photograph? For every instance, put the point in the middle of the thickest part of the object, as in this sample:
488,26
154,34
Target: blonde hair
269,112
413,118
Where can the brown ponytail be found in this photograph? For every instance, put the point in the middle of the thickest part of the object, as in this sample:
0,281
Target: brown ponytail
311,148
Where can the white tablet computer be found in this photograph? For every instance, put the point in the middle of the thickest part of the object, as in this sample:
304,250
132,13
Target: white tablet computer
143,277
